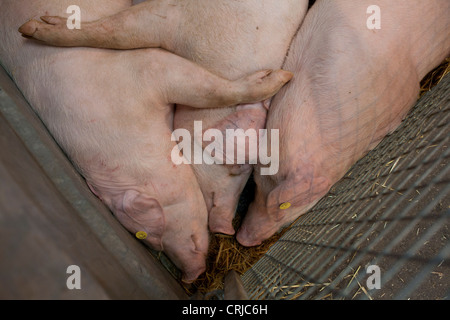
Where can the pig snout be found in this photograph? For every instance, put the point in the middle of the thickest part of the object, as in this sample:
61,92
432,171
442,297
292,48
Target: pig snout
189,254
257,225
186,237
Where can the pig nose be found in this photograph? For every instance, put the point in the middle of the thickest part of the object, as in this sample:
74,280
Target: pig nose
221,220
247,238
194,264
192,274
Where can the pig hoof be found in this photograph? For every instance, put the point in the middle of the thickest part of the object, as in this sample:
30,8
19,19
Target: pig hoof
263,85
36,30
29,28
52,31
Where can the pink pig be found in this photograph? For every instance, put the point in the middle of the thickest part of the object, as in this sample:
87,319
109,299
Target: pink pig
357,76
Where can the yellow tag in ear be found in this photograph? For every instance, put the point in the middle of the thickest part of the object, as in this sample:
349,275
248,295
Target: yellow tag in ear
285,205
141,235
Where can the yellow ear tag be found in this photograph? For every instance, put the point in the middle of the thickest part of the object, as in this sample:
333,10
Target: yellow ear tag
141,235
285,205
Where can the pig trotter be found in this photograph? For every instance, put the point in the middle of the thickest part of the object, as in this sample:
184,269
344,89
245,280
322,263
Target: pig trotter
53,31
127,29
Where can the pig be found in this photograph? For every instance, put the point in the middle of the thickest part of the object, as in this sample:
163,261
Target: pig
229,38
112,113
357,76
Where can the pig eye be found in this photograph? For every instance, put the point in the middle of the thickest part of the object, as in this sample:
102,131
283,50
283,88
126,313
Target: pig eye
285,205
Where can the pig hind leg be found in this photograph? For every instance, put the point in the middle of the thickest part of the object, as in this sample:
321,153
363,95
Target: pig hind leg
139,26
189,84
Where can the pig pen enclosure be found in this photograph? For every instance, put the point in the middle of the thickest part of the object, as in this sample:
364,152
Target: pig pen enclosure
384,225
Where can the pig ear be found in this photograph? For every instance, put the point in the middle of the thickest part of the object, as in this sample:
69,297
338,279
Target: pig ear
145,214
294,193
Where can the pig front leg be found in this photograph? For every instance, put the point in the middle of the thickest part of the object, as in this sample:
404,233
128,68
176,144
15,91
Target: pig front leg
147,25
355,84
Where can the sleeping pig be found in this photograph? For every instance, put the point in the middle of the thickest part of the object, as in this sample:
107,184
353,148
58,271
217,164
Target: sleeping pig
358,69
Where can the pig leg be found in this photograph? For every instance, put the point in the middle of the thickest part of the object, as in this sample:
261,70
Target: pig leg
198,88
146,25
154,24
356,85
191,85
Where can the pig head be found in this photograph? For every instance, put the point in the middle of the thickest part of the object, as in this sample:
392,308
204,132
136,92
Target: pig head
172,217
183,238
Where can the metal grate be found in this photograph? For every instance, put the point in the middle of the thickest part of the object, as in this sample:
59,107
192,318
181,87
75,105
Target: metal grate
391,210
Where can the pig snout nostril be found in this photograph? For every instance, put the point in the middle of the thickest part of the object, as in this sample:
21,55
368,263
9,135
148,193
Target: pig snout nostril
246,238
190,276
